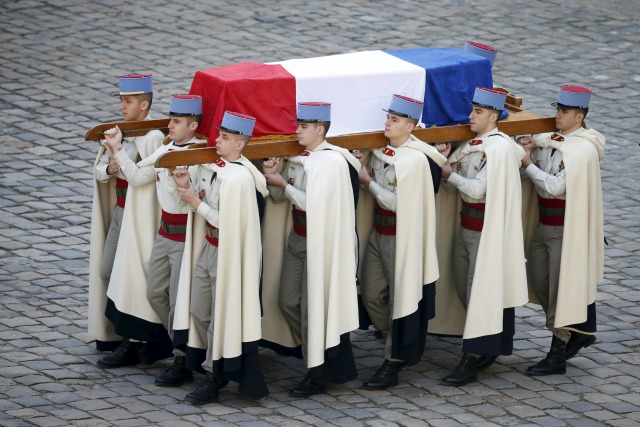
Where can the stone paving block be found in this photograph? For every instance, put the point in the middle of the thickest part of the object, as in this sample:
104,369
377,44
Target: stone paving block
158,416
24,413
602,415
91,405
71,414
548,421
48,421
136,423
622,423
621,407
7,405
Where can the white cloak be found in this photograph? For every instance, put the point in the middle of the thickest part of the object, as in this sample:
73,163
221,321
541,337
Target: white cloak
416,258
331,255
237,304
500,277
138,200
582,262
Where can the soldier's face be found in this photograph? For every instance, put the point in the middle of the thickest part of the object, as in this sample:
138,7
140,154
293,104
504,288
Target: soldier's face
180,129
397,126
131,108
228,144
480,120
568,120
309,134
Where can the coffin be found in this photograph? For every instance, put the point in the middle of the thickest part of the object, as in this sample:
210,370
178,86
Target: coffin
359,87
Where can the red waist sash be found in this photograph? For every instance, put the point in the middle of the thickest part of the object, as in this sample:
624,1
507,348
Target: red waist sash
212,234
299,222
384,221
551,211
173,226
121,191
472,216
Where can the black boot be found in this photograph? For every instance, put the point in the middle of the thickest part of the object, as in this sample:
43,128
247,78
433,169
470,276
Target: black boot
206,392
386,376
483,362
125,355
577,342
554,363
465,372
153,351
307,388
175,375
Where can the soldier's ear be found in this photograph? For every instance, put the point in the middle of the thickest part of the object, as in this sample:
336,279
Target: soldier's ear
410,126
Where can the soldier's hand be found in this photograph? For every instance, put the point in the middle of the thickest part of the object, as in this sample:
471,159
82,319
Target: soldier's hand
188,195
446,170
180,176
444,149
275,179
526,142
271,165
112,167
113,139
363,176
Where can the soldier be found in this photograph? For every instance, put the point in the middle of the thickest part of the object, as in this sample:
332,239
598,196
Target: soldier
490,276
225,289
136,96
403,178
319,264
566,258
185,114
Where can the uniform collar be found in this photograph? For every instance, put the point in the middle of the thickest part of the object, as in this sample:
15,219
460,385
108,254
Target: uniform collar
193,140
322,146
404,144
574,133
494,130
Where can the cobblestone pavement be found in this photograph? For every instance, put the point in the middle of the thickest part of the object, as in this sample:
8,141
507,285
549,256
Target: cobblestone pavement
59,60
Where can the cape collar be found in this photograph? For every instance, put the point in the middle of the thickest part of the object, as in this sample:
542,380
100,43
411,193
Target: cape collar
492,131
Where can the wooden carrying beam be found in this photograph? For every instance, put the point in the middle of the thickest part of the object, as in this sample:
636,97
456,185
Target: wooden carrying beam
140,128
519,122
130,129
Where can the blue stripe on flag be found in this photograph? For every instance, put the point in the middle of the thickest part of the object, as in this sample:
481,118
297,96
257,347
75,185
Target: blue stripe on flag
451,78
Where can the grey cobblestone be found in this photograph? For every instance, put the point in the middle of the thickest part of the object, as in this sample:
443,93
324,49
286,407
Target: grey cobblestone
58,63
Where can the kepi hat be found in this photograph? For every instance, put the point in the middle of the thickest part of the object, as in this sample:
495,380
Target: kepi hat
239,124
313,112
483,50
489,98
135,84
571,97
185,105
405,107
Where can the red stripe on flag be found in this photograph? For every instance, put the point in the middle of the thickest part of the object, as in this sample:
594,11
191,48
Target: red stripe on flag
266,92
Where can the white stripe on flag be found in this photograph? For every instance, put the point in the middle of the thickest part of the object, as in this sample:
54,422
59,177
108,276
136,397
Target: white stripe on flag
358,86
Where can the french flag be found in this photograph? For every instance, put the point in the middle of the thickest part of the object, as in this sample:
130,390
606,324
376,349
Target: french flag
358,85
